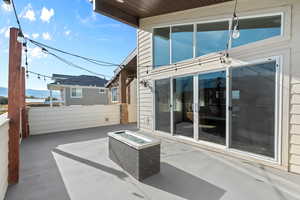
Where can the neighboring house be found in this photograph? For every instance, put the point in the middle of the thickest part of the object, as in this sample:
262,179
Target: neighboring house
80,90
246,105
123,86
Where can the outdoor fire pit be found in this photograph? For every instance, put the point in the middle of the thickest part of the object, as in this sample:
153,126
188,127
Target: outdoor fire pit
137,154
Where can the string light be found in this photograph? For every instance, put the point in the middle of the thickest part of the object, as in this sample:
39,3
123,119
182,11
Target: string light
235,23
7,2
45,49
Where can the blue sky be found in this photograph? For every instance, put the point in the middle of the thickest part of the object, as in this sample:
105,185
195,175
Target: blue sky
69,25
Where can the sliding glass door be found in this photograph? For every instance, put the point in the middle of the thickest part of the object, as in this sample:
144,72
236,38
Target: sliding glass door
163,105
236,110
253,100
212,107
183,114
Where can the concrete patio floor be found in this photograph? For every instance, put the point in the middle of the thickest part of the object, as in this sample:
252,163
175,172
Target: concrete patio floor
75,165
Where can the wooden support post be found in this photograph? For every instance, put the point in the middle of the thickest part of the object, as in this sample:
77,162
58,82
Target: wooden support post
15,53
122,86
23,104
51,98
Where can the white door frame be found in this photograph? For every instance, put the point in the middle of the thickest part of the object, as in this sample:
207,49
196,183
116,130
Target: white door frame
278,109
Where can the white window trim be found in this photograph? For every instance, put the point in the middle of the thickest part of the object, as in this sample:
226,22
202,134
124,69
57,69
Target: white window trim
277,160
111,94
75,97
103,90
194,23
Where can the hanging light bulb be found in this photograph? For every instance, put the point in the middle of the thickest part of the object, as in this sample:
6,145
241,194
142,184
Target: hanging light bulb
6,2
25,46
20,37
39,76
44,50
236,30
27,74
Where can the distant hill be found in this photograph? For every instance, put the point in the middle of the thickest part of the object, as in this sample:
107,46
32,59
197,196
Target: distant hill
30,92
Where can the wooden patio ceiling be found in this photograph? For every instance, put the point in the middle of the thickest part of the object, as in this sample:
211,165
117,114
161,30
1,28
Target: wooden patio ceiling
130,11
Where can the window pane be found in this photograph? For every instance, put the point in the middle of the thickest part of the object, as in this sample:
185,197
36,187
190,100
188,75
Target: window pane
183,106
212,107
74,92
211,37
114,94
255,29
161,46
79,92
162,105
182,43
253,108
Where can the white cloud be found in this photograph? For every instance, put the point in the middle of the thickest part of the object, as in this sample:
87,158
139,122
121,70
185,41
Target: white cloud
67,32
46,36
6,7
36,52
2,30
6,34
46,14
28,13
5,31
35,35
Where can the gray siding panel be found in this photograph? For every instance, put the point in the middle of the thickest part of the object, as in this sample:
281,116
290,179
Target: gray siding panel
90,96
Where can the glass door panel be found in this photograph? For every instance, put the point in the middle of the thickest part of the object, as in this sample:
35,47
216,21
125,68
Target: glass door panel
162,105
183,114
253,108
212,107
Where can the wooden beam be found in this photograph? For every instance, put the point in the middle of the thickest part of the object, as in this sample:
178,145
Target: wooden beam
115,13
122,85
15,53
23,104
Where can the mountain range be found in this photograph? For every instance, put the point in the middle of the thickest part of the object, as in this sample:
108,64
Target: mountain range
31,92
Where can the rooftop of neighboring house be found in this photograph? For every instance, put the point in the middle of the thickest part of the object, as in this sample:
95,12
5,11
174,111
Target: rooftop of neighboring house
82,80
129,64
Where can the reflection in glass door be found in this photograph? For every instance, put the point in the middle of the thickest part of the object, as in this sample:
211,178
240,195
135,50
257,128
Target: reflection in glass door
212,107
253,108
183,115
162,105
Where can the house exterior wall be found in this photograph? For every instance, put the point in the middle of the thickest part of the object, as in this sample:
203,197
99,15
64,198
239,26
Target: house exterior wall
286,46
133,92
4,125
90,96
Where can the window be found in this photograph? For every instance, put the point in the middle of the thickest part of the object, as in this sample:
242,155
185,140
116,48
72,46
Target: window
114,94
76,92
161,46
255,29
101,91
189,42
182,42
211,37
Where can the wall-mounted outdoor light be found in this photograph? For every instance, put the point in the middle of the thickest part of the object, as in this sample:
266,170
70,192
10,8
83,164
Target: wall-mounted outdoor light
146,84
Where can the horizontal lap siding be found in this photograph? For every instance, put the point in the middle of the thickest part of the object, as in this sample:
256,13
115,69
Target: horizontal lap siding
295,109
291,112
145,94
47,120
3,155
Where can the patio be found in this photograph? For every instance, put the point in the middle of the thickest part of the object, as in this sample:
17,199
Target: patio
75,165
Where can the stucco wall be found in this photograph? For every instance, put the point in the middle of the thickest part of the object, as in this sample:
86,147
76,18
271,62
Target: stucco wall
286,46
90,96
3,154
48,120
